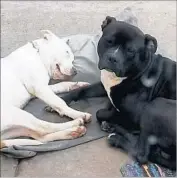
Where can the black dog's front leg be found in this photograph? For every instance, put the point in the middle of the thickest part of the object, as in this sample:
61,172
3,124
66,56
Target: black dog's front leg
123,139
106,114
143,148
108,117
93,90
128,142
133,144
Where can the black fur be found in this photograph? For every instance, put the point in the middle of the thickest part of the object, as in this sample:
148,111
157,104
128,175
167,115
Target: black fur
125,50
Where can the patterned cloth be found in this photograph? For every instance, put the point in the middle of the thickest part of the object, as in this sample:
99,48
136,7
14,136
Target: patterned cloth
134,169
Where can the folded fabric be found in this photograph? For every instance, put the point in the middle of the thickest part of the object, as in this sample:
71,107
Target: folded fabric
134,169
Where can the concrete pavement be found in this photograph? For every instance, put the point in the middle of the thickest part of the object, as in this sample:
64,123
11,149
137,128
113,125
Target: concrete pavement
92,159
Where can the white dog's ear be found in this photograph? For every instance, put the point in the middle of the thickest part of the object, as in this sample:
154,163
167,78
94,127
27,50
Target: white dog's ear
48,35
35,44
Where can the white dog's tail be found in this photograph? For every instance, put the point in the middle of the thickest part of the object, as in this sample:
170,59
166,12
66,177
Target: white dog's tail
19,142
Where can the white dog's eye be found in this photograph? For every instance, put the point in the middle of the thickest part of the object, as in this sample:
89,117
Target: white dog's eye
68,54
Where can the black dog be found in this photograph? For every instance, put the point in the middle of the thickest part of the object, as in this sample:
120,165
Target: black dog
149,88
146,99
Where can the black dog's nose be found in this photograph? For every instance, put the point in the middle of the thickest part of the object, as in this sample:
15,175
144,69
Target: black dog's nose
74,71
100,66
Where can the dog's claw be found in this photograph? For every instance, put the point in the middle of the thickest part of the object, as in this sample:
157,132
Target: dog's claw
106,127
87,118
49,109
81,121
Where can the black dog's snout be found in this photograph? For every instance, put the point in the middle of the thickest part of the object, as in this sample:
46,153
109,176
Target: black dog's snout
74,71
102,64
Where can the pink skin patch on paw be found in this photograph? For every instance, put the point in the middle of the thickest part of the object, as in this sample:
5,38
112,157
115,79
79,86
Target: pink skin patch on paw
79,132
74,134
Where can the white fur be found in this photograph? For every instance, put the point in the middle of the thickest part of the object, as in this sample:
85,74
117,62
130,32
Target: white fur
152,140
148,82
110,135
109,79
25,73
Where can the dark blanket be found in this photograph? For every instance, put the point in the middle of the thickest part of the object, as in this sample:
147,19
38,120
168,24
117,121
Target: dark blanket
134,169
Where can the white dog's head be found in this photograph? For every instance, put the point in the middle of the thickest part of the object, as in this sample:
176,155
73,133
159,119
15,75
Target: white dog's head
56,56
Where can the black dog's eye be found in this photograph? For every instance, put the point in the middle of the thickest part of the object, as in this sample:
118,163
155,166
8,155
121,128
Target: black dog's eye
131,52
109,41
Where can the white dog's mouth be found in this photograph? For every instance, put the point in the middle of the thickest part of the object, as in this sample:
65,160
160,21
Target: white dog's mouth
59,75
58,67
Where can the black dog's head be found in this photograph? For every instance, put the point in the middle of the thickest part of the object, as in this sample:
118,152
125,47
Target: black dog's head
123,48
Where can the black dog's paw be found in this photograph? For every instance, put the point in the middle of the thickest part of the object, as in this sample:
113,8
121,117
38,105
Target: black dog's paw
107,127
49,109
141,158
107,21
114,139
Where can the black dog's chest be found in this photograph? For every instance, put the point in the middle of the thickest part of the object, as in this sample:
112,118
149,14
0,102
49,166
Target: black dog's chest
117,89
109,80
124,91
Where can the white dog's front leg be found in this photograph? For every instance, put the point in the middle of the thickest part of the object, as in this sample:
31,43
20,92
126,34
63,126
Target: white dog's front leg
67,86
59,105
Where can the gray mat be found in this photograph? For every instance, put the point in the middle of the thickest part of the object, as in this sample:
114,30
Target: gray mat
36,107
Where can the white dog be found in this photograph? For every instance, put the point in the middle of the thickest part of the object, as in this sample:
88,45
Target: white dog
25,73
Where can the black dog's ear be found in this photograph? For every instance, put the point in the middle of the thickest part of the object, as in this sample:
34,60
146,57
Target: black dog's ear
107,21
150,43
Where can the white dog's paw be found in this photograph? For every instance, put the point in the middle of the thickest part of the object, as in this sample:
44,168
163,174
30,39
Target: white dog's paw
79,85
77,132
78,122
86,117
